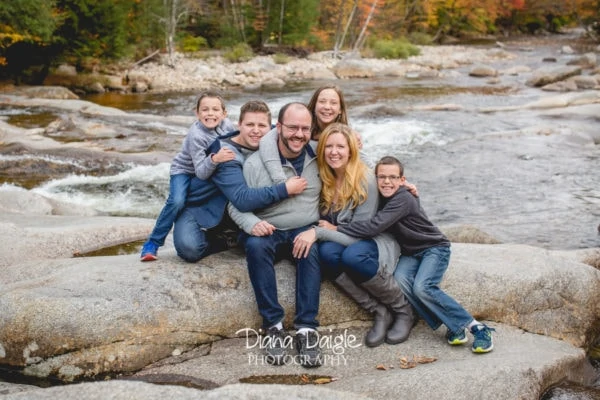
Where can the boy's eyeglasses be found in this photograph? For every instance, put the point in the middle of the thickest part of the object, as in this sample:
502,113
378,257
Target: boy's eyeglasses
392,178
296,128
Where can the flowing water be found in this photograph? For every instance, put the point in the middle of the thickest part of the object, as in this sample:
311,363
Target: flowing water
482,169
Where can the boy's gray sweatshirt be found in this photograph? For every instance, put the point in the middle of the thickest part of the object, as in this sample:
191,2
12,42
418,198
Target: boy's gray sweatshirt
402,216
192,158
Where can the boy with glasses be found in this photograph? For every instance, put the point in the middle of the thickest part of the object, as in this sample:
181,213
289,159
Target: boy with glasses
424,260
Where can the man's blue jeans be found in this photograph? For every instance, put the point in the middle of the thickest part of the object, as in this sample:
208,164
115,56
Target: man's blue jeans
261,252
178,191
419,277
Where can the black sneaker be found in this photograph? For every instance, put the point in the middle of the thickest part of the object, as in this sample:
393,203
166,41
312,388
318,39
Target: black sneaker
308,349
275,345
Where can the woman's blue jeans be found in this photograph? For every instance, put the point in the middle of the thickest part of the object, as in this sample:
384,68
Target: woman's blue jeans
261,253
178,191
419,277
360,260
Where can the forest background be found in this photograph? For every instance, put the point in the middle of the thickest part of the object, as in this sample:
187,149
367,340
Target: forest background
94,34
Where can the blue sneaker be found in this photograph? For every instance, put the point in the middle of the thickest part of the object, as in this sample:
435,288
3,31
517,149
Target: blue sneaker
149,250
483,342
455,339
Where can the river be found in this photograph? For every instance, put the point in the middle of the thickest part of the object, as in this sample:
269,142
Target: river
521,176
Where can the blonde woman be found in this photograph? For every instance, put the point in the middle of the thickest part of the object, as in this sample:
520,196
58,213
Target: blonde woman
363,269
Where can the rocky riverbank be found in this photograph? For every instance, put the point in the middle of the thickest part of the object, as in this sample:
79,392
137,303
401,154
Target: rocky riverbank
169,321
191,73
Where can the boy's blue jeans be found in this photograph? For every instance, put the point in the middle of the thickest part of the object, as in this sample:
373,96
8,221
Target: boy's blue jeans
419,277
178,191
261,252
192,242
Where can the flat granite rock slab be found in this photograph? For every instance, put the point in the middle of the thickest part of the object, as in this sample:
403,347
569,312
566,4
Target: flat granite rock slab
521,366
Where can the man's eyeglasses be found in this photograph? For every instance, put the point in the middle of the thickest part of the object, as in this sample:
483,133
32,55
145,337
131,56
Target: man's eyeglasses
296,128
392,178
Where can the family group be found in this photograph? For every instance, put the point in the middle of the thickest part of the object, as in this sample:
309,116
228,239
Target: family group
303,190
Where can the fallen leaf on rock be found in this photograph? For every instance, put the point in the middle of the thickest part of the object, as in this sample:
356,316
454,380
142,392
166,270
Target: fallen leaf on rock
424,359
406,363
321,381
381,367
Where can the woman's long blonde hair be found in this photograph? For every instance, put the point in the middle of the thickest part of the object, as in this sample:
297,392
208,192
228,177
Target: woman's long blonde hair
354,185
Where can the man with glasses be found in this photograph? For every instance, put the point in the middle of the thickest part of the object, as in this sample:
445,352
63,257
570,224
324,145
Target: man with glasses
269,235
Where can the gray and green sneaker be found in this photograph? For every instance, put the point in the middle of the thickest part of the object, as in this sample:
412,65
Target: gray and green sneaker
457,338
483,342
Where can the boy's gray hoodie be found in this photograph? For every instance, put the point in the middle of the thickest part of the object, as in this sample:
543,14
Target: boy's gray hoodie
192,158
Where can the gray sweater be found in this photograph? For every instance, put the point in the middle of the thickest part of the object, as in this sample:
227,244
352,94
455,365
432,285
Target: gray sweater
192,158
402,216
291,213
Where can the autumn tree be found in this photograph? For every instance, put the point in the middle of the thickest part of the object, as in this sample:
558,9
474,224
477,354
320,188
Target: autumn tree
27,38
32,19
94,29
173,14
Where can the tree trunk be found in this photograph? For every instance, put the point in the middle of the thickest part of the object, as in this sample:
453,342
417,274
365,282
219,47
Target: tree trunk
361,38
340,44
170,28
281,14
338,29
267,24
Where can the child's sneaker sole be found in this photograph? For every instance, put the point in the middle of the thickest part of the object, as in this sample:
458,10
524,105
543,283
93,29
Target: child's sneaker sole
456,339
482,350
149,257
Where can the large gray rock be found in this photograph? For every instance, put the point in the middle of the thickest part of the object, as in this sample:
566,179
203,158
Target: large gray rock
522,366
127,390
8,388
543,77
40,236
482,70
353,68
85,317
88,316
